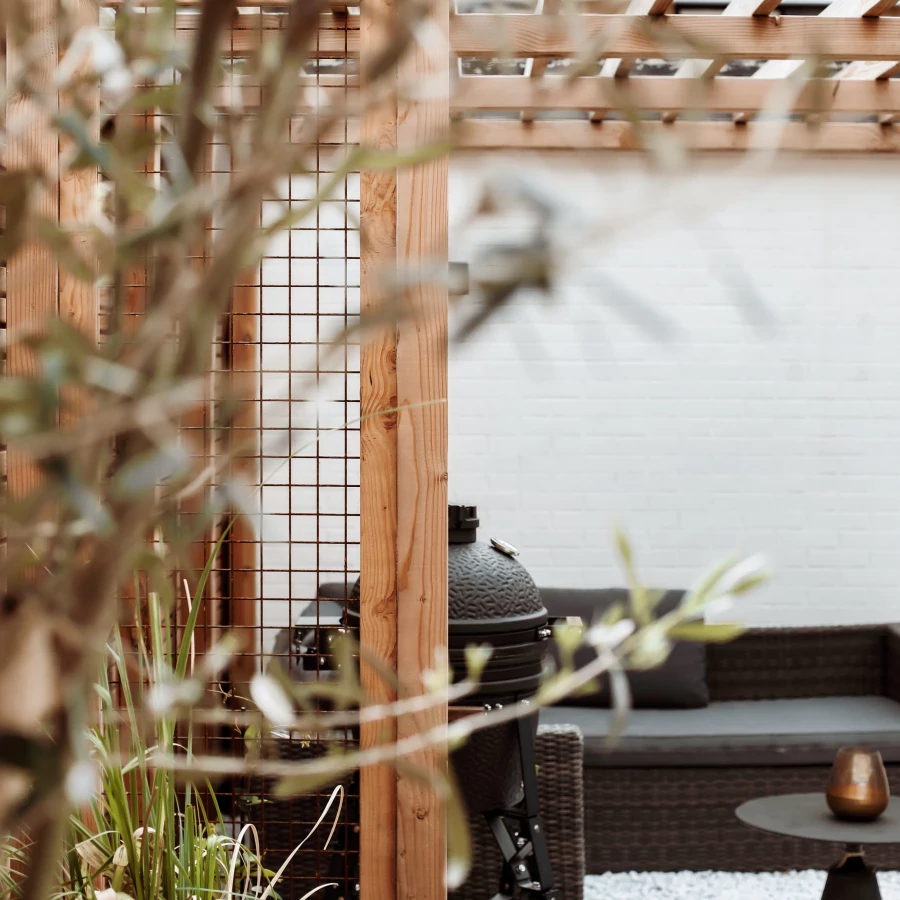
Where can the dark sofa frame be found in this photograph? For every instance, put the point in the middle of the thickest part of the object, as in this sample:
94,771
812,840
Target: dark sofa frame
670,818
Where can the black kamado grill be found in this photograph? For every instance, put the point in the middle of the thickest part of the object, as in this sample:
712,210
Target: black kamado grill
491,600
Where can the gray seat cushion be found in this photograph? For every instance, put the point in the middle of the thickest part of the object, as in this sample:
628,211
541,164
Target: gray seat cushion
735,733
679,682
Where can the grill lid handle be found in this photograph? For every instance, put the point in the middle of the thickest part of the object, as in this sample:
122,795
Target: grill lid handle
463,524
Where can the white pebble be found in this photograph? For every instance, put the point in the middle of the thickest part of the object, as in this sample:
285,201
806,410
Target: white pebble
806,885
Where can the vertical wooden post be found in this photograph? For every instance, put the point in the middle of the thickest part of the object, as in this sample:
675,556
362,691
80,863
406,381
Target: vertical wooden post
244,557
403,469
378,472
77,194
31,272
422,210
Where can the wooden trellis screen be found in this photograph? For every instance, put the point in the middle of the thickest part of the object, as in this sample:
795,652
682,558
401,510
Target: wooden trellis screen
702,79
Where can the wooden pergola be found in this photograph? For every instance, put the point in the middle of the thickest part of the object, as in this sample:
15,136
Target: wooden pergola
546,105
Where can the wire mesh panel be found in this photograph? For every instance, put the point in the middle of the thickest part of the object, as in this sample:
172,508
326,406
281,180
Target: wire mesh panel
283,410
309,291
296,373
308,462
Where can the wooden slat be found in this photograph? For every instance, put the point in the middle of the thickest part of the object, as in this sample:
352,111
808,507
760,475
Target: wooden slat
536,68
831,137
195,436
244,561
600,6
707,68
843,9
667,94
31,275
683,36
378,470
870,70
422,348
336,5
750,7
617,68
78,299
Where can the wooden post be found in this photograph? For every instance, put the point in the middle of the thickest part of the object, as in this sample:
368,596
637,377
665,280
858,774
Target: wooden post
77,194
404,472
422,210
243,557
378,473
31,273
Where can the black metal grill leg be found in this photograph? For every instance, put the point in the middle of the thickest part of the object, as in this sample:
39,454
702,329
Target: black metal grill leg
527,870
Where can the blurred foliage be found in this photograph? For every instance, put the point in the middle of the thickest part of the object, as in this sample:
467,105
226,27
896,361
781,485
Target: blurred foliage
136,832
136,104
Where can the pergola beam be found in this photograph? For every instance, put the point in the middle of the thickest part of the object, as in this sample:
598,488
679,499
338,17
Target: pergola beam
618,68
876,71
652,93
838,9
786,38
709,68
777,39
667,94
832,137
536,68
336,5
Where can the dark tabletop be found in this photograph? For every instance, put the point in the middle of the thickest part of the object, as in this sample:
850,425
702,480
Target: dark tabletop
808,816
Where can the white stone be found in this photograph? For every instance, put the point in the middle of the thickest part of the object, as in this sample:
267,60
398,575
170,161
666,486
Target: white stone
806,885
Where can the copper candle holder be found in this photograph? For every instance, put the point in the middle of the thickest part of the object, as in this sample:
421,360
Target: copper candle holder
858,787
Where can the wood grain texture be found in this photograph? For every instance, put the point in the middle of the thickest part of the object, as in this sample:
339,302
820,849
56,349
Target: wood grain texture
618,68
535,68
829,137
664,94
869,70
31,274
78,299
243,547
422,212
336,5
707,68
378,471
194,519
845,9
750,7
684,36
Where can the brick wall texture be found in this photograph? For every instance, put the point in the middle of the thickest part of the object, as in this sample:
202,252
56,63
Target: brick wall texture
718,370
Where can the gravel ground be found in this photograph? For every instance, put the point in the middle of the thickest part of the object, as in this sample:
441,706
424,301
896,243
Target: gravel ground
719,886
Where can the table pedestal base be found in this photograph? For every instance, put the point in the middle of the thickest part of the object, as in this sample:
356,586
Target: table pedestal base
851,878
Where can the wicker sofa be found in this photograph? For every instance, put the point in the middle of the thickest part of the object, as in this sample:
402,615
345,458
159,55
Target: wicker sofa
781,703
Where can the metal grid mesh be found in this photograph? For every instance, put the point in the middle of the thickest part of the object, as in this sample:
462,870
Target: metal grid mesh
295,383
309,290
299,387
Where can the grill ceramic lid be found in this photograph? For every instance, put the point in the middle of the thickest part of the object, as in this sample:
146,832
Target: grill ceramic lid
487,584
489,590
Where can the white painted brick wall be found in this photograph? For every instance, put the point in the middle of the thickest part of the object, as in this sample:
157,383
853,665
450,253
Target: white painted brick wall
565,417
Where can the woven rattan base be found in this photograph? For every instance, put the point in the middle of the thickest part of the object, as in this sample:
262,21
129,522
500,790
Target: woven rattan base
559,755
678,819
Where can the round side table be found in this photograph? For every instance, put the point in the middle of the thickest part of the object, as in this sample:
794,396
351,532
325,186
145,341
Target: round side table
808,816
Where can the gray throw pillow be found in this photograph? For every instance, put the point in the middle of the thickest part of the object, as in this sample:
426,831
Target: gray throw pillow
679,683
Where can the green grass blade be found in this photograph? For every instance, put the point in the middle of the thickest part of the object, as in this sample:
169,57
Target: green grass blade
184,651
